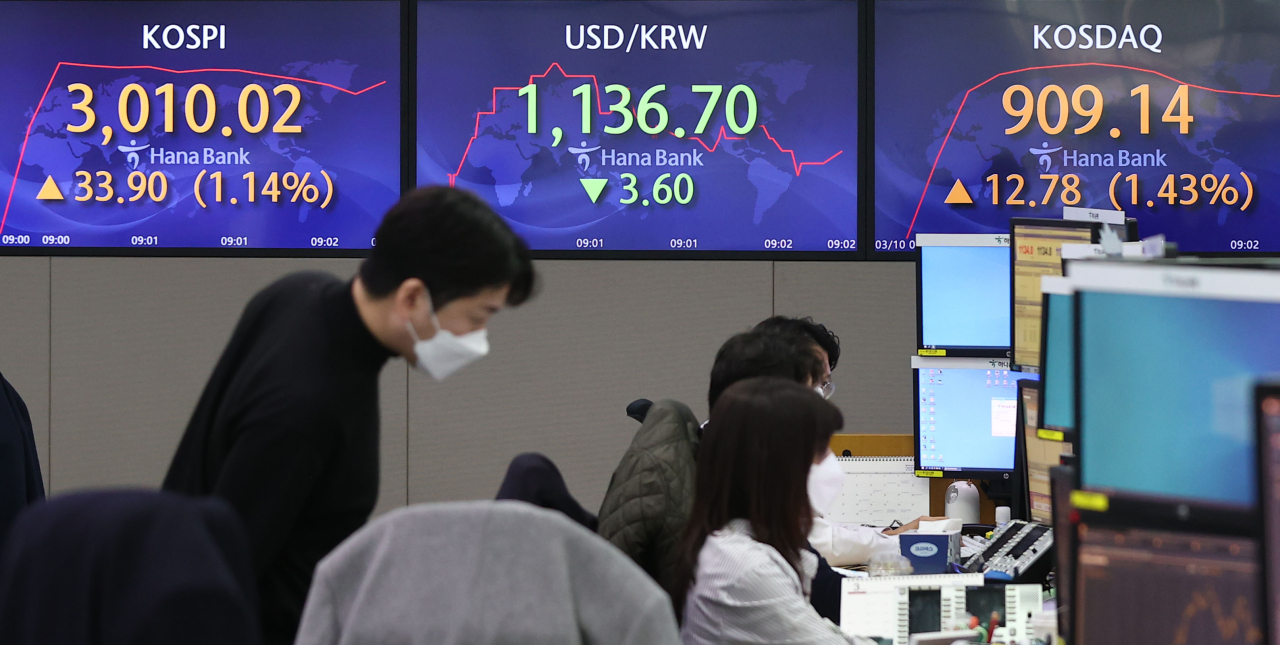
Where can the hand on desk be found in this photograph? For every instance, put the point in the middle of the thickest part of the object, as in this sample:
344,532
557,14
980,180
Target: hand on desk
912,525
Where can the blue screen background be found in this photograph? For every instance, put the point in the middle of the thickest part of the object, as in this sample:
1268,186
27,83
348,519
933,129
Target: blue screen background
931,53
1059,408
355,139
799,57
1166,393
964,298
954,408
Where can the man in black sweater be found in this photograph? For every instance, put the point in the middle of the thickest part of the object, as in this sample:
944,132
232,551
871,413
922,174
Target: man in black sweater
287,428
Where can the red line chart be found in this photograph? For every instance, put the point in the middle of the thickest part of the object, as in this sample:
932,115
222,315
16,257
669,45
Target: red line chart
35,113
797,166
955,119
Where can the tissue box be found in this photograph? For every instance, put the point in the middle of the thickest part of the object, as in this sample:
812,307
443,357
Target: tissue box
930,552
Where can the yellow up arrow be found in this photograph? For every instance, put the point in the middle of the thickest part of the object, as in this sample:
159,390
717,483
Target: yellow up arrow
958,195
50,191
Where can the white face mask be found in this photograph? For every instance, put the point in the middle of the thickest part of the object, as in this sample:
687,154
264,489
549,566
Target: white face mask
445,353
826,479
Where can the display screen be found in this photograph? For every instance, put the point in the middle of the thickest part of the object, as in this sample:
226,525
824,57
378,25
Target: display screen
1037,252
1137,586
1166,393
964,296
968,418
261,125
1059,373
987,110
647,126
1267,409
1041,456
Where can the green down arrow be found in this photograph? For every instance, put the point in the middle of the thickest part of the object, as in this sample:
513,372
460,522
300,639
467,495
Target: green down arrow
594,187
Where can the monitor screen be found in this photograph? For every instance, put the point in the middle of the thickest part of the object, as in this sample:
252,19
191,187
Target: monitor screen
1037,252
964,297
967,417
198,125
1267,410
1062,481
647,126
1138,586
1168,358
1041,455
1058,371
990,109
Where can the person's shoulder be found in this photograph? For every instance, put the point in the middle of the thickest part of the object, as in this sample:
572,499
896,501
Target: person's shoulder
734,552
302,282
667,422
744,566
291,291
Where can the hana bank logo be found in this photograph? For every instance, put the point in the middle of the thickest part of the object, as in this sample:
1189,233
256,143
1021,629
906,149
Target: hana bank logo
584,155
131,153
1046,163
924,550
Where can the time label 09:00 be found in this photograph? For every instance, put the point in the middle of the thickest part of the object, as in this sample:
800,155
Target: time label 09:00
47,240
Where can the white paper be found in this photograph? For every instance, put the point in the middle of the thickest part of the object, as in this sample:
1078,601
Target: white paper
879,490
1004,417
949,525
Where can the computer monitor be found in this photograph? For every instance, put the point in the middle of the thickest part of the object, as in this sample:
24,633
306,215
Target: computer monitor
1166,361
1036,456
1057,358
1036,249
966,416
1028,417
1267,412
1151,586
962,287
1062,480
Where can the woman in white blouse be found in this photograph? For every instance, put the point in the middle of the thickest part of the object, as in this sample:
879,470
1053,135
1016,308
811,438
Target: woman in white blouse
763,456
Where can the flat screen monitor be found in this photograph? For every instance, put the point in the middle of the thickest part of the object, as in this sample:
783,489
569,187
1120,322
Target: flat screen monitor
625,128
1267,413
966,415
1037,252
1146,586
1167,358
963,290
1036,456
1062,481
1058,361
986,110
201,128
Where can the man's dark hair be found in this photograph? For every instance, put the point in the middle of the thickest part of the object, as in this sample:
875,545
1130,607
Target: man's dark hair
818,333
452,241
753,464
757,353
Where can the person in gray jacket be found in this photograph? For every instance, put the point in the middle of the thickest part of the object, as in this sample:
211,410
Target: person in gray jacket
482,573
651,492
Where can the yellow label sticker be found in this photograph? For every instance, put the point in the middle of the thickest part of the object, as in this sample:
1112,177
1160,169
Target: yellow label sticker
928,473
1087,501
1050,435
932,352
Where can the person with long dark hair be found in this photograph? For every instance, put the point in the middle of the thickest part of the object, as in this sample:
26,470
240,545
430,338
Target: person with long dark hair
745,573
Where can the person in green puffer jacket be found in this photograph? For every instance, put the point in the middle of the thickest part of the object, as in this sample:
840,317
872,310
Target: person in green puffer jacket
651,493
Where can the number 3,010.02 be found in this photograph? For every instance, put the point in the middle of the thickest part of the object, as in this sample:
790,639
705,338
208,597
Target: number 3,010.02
135,94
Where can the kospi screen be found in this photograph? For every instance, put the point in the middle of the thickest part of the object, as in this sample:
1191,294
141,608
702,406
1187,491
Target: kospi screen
198,125
647,126
1169,111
